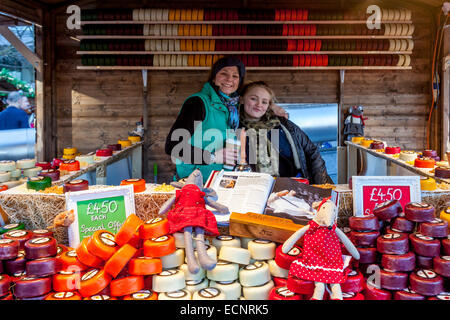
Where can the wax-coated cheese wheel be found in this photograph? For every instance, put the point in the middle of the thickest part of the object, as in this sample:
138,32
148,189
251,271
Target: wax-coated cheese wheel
5,176
103,153
209,293
101,244
366,142
119,259
11,226
100,297
134,139
176,295
66,281
68,261
154,228
86,257
124,143
260,292
211,252
441,296
364,239
41,267
425,246
39,183
393,280
367,255
42,233
365,223
392,150
63,295
436,228
7,165
354,282
94,281
402,224
138,184
69,165
159,247
231,289
426,282
5,282
15,265
20,235
419,212
192,276
28,287
142,295
254,274
223,271
408,294
424,262
43,164
442,265
277,271
393,243
284,260
446,246
168,280
126,285
283,293
372,292
427,184
399,263
388,210
25,163
173,260
114,147
195,285
230,241
129,228
261,249
235,255
9,249
40,247
142,266
76,185
424,162
85,160
245,241
429,153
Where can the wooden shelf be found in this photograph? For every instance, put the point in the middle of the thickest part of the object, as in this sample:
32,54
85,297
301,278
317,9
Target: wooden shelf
330,37
247,68
238,52
236,22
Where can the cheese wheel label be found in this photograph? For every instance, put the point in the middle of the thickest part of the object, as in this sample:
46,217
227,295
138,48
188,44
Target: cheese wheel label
39,178
447,258
443,296
447,210
225,238
194,282
294,252
40,231
347,295
2,241
254,266
28,278
421,236
75,181
436,221
262,241
11,226
152,221
160,239
71,253
176,294
284,292
132,180
107,239
69,161
19,273
396,230
143,294
167,273
67,272
346,229
100,297
62,295
352,273
226,282
209,292
40,240
16,233
391,236
420,205
383,204
90,274
426,273
408,290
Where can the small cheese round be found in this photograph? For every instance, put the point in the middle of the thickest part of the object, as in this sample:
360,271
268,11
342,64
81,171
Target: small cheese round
192,276
195,285
261,249
168,280
209,294
182,294
277,271
258,292
235,255
231,241
173,260
232,289
224,271
254,274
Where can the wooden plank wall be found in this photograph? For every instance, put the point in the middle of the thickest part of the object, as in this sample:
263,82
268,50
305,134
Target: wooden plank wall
95,108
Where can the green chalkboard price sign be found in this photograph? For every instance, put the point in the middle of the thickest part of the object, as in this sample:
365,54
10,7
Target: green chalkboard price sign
98,209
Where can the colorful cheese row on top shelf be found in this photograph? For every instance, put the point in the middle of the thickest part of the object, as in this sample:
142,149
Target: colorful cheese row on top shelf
206,60
239,14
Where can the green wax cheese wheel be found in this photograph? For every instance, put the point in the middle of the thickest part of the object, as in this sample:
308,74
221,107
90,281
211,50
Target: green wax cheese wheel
39,183
12,226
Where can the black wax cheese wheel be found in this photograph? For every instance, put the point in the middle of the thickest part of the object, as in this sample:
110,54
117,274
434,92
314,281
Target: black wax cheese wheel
425,246
419,212
436,228
366,223
393,280
399,263
40,247
393,243
28,287
402,224
9,249
362,239
388,210
41,267
426,282
442,265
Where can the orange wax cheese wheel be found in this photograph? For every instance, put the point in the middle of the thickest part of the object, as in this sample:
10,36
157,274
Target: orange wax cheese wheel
69,165
154,228
138,184
142,266
66,281
159,247
126,285
142,295
119,260
94,281
424,162
101,244
86,257
68,261
128,229
63,295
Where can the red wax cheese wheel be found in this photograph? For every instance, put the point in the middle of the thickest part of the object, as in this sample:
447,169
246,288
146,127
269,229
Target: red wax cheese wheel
28,287
426,282
86,257
40,247
279,282
389,230
425,246
5,282
446,246
283,293
393,243
441,296
76,185
388,210
42,233
399,262
392,150
128,229
63,295
436,228
142,266
407,294
66,281
393,280
154,228
159,247
364,239
126,285
44,165
354,282
419,212
300,286
366,223
68,262
9,249
367,255
402,224
284,260
114,147
424,262
7,297
442,266
101,244
138,184
142,295
119,260
371,292
352,296
103,153
93,281
15,265
429,153
20,235
41,267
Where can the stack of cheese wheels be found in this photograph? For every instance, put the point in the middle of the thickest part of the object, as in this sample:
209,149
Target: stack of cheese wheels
9,172
69,153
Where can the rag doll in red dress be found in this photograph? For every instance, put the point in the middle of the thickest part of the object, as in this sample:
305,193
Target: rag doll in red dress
190,214
321,259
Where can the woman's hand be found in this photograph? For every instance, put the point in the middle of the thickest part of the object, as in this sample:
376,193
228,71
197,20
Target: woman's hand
226,156
279,111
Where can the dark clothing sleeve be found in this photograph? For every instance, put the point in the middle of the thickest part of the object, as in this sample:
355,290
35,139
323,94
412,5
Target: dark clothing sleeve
193,109
13,118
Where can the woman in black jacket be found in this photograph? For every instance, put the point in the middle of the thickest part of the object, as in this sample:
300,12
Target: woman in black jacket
276,145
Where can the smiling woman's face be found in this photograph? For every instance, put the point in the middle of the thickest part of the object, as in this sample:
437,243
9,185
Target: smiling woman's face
256,101
227,79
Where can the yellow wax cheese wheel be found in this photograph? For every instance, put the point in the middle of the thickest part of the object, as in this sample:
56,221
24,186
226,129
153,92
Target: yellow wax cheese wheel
445,215
124,143
366,143
134,139
357,140
70,150
428,184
